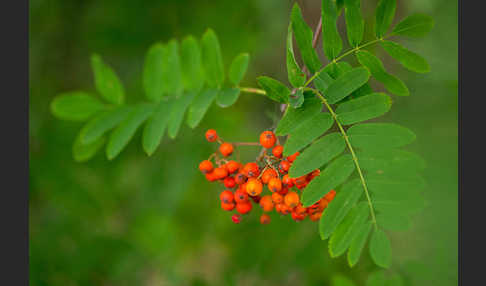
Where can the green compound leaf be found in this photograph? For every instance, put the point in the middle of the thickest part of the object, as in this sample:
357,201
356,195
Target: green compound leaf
377,278
319,153
192,71
172,75
227,96
297,99
336,173
375,66
389,160
354,22
75,106
122,134
212,59
238,68
348,229
274,89
393,222
363,108
176,116
84,152
294,117
340,280
385,12
346,84
358,243
335,212
379,136
306,133
153,72
331,40
102,123
155,127
200,106
415,26
380,248
295,75
106,81
408,59
329,73
303,37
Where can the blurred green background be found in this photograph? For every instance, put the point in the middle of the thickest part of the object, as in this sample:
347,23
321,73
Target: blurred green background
156,221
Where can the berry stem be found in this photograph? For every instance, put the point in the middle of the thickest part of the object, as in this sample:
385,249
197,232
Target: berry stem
351,150
246,143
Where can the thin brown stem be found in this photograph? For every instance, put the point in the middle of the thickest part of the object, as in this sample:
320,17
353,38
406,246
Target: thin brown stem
246,143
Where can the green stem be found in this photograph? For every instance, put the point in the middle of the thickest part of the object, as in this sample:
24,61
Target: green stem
355,49
345,54
351,150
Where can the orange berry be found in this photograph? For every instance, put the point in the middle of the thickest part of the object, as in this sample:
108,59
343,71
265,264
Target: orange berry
211,135
266,203
265,219
315,216
300,180
285,209
251,170
236,218
300,209
267,139
330,196
284,166
254,187
240,196
292,157
291,199
275,185
314,174
323,204
268,174
277,151
284,191
229,182
240,178
277,198
220,173
226,196
206,166
232,166
297,216
227,206
226,149
210,177
244,207
287,181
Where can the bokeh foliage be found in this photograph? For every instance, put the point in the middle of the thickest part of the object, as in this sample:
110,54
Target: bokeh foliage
145,221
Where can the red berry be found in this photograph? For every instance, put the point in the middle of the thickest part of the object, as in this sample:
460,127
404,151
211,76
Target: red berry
236,218
226,149
284,166
244,208
226,196
229,182
232,166
220,173
251,170
227,206
240,178
277,151
241,196
267,139
206,166
211,135
292,157
265,219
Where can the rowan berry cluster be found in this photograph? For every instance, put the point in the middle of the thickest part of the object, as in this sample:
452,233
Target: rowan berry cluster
245,183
